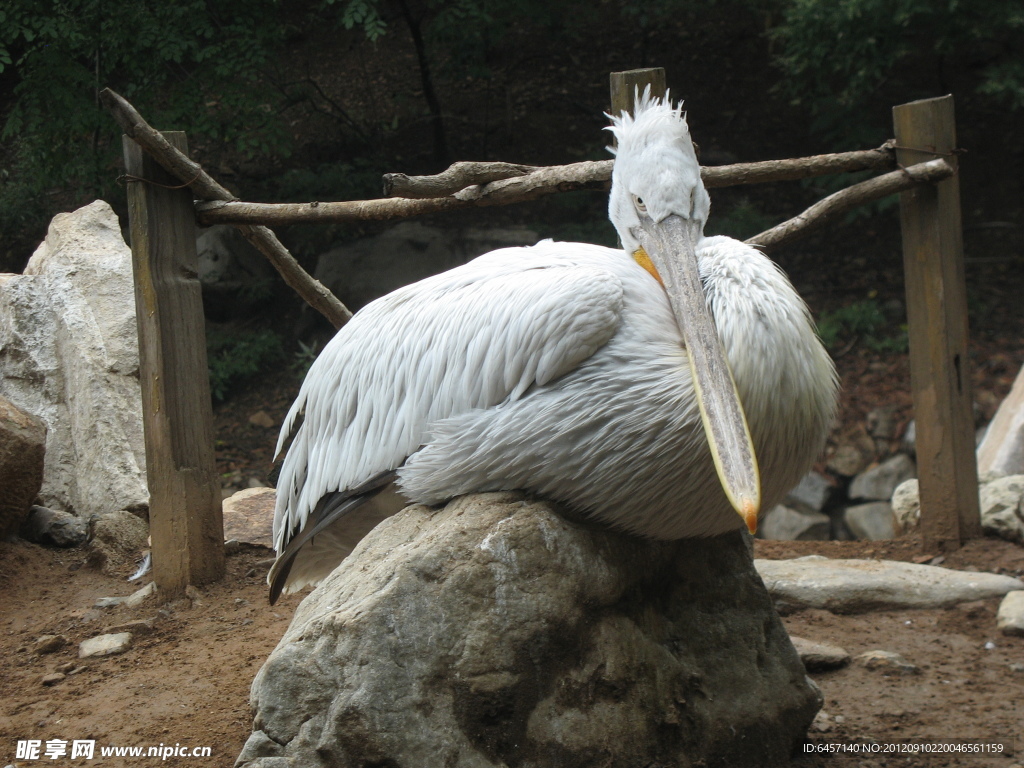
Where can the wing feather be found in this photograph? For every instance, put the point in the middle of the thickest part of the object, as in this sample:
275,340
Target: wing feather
469,338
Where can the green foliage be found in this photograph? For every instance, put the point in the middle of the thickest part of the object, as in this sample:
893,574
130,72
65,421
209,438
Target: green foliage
191,65
836,54
862,321
234,357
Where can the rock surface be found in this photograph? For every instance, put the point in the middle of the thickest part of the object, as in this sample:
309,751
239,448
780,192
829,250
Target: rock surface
870,521
22,452
249,516
1002,507
105,645
1002,449
879,482
51,526
785,524
853,586
810,494
887,661
1010,618
906,506
494,632
820,657
69,356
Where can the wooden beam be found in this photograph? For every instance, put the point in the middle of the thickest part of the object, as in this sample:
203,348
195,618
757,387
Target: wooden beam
937,321
186,524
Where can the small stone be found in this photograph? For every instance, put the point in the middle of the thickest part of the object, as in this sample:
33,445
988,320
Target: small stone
887,661
872,522
105,645
822,722
139,627
906,506
52,679
66,667
49,643
1016,667
879,482
232,547
109,602
262,419
137,598
839,719
785,524
1010,618
820,657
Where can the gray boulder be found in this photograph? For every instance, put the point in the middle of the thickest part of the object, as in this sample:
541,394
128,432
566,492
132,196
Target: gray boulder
879,482
785,524
494,632
69,356
872,522
51,526
22,451
810,494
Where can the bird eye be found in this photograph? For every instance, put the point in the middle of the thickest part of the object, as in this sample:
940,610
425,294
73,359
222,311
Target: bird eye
639,203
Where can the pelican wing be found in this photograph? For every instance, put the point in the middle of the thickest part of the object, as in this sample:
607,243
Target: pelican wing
470,338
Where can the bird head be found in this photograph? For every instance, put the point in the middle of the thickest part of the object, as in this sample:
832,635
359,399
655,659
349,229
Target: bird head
659,206
656,173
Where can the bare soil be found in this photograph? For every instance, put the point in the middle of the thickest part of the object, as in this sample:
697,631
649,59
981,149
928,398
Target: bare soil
187,681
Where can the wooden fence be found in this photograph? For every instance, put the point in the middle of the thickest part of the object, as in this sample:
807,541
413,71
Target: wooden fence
185,508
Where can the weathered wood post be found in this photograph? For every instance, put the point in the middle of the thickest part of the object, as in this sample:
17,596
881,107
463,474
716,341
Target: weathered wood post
624,85
933,263
185,519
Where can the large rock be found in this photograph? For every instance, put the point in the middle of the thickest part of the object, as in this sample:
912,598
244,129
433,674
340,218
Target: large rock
906,506
360,272
69,356
494,632
852,586
810,494
1002,449
22,449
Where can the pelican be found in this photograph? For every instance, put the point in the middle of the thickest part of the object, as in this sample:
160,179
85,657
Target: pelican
659,389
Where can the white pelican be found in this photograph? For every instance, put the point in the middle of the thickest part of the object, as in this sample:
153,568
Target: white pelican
567,370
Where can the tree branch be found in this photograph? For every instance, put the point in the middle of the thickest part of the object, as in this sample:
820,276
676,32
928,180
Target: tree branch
868,191
204,186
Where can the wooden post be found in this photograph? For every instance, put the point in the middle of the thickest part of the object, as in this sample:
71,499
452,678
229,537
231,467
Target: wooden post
186,524
625,84
937,319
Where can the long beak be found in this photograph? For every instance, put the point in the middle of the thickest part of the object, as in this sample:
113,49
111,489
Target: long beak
671,246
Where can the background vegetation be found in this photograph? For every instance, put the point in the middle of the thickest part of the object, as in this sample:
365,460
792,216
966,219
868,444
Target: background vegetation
314,99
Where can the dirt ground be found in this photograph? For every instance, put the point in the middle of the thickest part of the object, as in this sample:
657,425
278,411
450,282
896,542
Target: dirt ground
187,681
